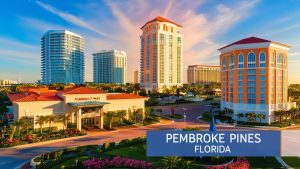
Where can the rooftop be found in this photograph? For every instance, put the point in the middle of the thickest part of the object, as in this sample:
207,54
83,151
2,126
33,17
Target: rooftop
249,41
30,97
114,96
81,90
160,19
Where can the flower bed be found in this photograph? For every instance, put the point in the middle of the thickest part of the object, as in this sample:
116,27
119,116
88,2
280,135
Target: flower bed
35,138
116,162
240,163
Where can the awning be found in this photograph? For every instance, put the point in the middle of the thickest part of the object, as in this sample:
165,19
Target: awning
87,104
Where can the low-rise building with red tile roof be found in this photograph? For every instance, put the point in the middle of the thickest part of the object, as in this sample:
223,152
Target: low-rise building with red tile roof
85,106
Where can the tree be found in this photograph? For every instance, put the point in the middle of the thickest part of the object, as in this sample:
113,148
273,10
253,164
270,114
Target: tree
240,115
64,119
148,111
41,121
25,124
261,117
109,116
50,119
136,113
171,162
189,165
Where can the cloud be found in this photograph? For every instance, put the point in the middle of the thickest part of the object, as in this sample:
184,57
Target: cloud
71,18
122,31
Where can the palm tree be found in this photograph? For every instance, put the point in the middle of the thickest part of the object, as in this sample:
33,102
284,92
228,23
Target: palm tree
240,115
25,124
189,165
41,121
14,126
293,112
148,111
64,119
171,162
50,119
261,116
109,116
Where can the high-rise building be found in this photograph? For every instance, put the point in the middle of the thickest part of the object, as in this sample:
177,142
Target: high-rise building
136,76
161,54
110,66
254,78
62,57
203,74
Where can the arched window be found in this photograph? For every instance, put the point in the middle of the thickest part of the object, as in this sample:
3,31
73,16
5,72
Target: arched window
262,59
241,61
251,60
279,60
231,61
224,62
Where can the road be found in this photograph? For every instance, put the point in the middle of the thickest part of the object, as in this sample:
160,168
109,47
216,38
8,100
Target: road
13,157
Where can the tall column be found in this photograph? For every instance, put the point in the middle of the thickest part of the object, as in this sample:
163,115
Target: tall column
78,119
100,110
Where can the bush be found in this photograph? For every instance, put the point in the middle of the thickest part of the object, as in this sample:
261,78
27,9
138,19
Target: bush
70,150
105,146
56,154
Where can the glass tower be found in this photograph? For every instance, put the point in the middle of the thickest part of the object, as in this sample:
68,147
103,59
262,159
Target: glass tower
110,66
62,57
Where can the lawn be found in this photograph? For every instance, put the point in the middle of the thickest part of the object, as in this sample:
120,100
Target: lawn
292,161
138,152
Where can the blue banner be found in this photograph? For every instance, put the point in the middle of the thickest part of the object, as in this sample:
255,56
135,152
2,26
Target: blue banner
207,143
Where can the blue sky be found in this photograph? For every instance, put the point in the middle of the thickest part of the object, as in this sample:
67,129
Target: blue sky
207,26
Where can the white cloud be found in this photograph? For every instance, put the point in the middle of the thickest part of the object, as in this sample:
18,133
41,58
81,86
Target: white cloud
71,18
199,29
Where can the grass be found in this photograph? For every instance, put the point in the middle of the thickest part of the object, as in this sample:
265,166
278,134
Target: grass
265,163
138,152
176,116
292,161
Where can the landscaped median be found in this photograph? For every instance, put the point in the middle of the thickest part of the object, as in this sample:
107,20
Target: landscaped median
131,153
37,137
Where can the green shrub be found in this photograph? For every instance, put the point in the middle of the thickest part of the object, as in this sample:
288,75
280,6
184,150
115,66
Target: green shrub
70,150
105,146
56,154
112,144
92,147
81,149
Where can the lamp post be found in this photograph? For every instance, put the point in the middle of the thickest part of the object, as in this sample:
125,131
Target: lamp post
184,116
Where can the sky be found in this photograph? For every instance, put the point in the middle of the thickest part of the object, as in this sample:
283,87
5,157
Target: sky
115,24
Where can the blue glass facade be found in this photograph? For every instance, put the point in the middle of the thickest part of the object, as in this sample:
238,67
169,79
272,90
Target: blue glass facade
62,57
110,66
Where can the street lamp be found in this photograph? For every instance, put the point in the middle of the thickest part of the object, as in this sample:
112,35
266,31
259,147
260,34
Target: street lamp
184,116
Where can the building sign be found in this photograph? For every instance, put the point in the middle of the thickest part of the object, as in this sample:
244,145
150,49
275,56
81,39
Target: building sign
87,99
207,143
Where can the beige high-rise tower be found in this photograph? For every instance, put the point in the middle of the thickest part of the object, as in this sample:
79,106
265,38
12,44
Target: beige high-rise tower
161,54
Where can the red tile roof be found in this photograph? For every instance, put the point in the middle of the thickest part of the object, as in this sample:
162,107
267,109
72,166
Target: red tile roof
250,40
31,97
81,90
160,19
123,96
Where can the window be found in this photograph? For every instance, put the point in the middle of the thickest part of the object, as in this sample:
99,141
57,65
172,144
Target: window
231,62
262,90
251,60
279,61
251,89
251,71
251,84
262,60
262,78
262,71
251,77
224,61
241,61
